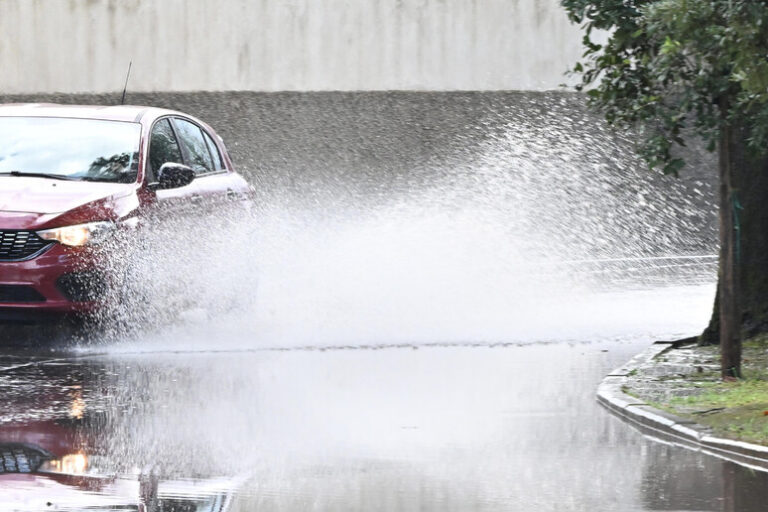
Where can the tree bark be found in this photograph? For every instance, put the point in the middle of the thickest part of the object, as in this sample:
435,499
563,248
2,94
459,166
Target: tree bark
751,179
741,303
730,313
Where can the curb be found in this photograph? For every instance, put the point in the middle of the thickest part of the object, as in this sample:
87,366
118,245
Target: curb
669,428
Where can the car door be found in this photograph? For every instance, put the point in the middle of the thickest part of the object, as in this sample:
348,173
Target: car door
214,184
164,147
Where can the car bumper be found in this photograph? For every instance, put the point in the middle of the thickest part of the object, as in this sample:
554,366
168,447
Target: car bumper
35,288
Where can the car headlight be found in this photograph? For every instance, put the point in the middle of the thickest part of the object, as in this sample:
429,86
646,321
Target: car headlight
80,234
72,464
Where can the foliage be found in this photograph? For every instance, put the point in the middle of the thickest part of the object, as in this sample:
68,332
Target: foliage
673,66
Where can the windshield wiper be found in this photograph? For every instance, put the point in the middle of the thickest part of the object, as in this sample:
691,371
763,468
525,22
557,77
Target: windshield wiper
38,175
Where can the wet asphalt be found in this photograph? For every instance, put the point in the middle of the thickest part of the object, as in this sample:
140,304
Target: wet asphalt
458,427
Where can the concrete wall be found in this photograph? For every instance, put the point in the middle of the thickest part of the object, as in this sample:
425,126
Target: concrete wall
273,45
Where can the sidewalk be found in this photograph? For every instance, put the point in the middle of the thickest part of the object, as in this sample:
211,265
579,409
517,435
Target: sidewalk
672,391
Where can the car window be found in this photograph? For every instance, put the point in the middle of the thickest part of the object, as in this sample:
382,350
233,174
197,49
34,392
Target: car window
196,151
217,162
163,146
71,149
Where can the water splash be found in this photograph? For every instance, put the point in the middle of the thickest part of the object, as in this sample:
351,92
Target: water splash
546,229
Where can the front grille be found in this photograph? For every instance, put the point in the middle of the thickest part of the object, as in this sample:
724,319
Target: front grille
14,293
20,245
21,458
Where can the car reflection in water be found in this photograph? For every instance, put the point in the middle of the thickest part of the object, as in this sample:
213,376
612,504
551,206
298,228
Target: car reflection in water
55,465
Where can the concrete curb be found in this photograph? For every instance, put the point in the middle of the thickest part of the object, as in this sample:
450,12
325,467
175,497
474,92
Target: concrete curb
667,427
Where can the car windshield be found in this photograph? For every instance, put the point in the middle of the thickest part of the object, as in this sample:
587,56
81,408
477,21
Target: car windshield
72,149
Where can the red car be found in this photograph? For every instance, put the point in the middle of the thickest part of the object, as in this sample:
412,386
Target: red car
73,176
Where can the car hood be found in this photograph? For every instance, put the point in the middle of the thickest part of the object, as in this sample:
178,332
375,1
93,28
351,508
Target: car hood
46,196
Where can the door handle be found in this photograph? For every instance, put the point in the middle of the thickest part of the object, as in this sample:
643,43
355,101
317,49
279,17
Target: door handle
231,194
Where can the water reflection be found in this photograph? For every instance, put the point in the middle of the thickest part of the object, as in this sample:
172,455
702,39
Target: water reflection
364,429
678,479
56,452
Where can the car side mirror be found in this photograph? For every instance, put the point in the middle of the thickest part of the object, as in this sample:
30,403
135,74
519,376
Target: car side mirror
173,175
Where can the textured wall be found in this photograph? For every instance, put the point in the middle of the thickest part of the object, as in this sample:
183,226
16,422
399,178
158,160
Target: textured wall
273,45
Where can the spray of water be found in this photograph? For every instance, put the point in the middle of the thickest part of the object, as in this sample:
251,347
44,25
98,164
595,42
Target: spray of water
539,233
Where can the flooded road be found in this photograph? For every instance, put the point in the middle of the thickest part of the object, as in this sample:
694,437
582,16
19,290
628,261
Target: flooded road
420,427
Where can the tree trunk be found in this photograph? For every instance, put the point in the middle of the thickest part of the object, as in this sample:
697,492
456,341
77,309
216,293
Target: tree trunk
728,285
743,248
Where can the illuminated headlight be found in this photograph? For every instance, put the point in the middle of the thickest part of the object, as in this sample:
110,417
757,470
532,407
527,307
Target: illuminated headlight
72,464
81,234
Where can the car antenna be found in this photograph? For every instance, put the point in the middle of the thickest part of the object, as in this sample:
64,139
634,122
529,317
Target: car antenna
125,88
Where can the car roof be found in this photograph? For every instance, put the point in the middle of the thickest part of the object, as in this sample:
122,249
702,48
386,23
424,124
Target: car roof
130,113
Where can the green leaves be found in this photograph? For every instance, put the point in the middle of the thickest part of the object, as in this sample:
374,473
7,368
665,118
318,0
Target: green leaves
670,46
666,65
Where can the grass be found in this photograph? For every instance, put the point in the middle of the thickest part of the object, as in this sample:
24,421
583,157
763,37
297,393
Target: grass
728,394
733,409
737,410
